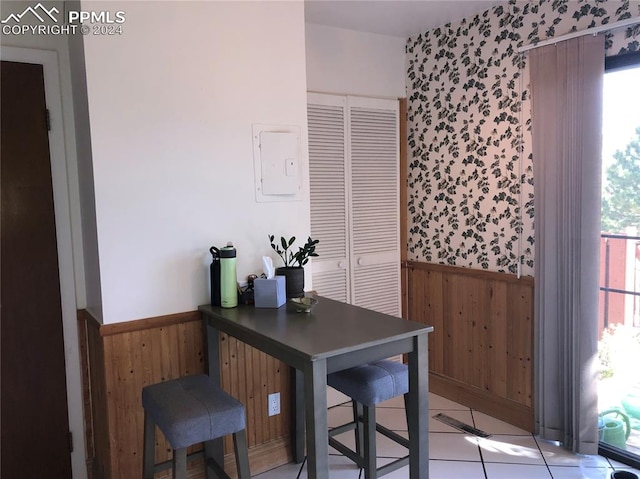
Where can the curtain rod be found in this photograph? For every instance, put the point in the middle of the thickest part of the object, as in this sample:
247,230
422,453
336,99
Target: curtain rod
588,31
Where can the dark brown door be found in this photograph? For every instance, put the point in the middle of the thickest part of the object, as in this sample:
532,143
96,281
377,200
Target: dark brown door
35,426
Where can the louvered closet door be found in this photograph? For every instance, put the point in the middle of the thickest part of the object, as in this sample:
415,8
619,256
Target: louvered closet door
328,177
375,215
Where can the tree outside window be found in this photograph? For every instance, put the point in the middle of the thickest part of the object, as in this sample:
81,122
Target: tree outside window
621,199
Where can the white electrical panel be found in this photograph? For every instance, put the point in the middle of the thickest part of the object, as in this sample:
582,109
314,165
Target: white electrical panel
276,153
279,157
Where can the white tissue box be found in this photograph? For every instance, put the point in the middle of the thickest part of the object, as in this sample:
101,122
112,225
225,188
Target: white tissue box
269,293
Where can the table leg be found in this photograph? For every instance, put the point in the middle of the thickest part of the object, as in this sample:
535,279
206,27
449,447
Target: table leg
418,404
297,414
215,448
315,400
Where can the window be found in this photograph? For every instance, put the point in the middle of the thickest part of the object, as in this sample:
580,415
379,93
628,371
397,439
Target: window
619,345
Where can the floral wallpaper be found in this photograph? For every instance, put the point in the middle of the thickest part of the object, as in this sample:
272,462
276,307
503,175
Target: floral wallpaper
470,182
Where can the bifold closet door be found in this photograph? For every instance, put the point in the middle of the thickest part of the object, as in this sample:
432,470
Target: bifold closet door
328,177
354,189
375,210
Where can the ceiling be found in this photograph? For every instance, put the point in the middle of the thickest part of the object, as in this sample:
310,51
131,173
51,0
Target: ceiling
398,18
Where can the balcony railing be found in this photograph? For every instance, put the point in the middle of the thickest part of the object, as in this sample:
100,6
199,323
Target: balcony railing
620,266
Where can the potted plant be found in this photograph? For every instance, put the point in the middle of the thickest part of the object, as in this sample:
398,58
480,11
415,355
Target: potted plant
293,269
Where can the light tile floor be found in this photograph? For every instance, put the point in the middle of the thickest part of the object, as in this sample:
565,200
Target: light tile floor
509,453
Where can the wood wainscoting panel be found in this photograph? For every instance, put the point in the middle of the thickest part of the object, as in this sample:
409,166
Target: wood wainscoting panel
140,358
99,465
86,392
124,358
520,343
480,352
251,375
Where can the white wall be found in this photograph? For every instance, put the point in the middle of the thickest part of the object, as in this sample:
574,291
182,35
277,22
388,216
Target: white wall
349,62
171,105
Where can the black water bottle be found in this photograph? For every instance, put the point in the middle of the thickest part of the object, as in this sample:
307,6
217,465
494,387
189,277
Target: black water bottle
214,270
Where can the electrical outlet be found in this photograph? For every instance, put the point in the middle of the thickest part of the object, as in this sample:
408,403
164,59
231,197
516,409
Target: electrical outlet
274,404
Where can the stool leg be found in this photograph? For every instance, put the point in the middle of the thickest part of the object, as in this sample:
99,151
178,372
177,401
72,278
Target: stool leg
357,414
370,470
242,454
180,463
149,448
406,409
211,451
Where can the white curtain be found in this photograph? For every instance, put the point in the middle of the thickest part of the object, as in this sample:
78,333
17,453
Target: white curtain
566,84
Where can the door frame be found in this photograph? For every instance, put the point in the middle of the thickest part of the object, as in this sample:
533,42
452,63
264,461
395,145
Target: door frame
61,198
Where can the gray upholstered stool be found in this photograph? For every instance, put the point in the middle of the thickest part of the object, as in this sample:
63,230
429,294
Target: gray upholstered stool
367,386
188,411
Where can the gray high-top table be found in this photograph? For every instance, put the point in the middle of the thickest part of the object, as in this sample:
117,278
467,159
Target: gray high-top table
334,336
